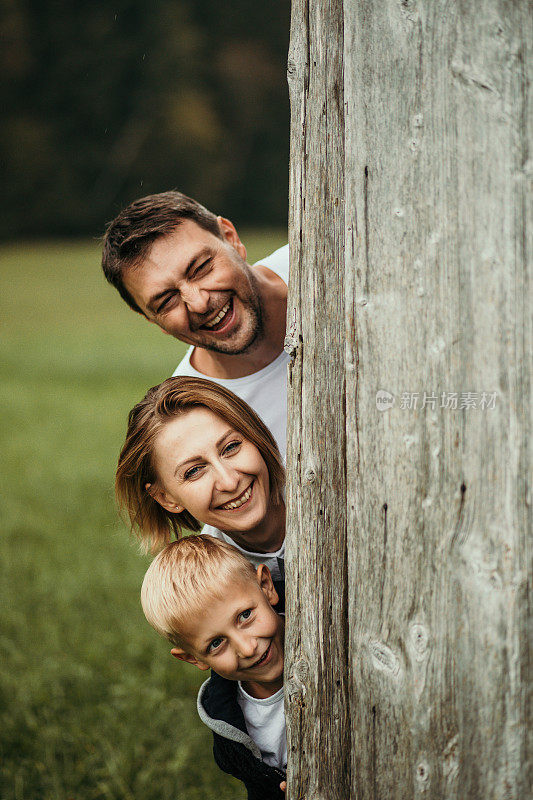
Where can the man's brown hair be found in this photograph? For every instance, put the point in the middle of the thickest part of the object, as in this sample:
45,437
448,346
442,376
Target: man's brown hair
153,523
129,237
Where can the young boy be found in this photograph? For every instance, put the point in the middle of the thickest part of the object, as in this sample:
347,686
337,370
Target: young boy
219,612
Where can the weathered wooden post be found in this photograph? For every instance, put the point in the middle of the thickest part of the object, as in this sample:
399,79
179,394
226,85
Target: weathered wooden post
409,559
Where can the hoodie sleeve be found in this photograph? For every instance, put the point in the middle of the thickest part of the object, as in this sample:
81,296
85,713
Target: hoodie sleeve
261,780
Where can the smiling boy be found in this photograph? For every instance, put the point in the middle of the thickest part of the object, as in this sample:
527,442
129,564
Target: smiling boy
220,613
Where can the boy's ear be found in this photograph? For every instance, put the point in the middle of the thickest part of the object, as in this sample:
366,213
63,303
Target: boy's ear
264,578
229,232
177,652
161,497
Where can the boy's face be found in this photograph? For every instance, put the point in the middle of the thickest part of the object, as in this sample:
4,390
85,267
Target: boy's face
241,636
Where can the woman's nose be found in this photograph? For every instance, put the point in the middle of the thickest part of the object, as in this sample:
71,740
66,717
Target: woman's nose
227,479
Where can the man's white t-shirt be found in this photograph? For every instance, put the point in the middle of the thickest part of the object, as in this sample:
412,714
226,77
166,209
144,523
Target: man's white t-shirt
265,722
265,391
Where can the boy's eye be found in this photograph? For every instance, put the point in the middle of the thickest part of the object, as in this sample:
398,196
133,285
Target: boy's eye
214,644
245,614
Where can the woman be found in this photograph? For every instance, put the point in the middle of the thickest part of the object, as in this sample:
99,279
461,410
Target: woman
196,454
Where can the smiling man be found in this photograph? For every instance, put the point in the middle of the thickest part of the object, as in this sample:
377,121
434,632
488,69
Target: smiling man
185,270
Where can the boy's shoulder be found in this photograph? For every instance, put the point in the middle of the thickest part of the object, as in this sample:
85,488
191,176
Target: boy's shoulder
219,710
234,749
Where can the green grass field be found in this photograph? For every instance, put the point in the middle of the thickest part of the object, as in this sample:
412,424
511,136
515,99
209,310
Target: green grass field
92,704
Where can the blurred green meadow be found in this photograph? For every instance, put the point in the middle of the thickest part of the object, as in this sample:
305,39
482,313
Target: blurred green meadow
92,705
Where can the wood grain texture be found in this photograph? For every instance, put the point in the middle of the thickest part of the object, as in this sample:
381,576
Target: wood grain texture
317,667
409,560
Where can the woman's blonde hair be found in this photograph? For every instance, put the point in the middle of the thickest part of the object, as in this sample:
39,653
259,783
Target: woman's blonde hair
184,577
153,524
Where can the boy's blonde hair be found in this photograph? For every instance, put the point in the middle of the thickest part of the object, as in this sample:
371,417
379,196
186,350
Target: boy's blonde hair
184,577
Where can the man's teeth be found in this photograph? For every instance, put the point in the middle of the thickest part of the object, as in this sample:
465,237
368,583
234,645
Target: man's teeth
240,501
222,313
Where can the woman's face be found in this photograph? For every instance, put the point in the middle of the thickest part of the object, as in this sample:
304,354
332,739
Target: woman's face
212,471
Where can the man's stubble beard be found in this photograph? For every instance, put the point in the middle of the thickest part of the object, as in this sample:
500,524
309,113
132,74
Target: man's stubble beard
254,312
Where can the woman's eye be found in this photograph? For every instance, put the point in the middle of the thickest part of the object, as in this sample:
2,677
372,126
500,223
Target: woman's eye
246,614
214,644
231,447
192,473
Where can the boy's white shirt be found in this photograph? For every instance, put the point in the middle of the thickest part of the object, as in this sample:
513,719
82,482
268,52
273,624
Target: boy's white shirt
265,722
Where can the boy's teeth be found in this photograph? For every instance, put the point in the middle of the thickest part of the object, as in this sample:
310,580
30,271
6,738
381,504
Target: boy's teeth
219,316
240,501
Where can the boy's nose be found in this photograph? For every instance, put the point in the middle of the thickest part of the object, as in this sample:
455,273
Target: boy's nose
246,646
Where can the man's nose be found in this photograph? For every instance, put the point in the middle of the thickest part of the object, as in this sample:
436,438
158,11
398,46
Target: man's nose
195,298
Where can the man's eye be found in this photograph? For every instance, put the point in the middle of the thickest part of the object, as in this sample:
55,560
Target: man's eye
192,472
165,304
214,644
202,268
231,447
245,614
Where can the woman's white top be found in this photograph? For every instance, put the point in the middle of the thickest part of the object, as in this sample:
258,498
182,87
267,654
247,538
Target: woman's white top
274,561
265,722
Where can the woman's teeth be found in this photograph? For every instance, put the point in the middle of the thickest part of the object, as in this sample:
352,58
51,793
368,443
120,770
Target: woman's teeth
240,500
221,314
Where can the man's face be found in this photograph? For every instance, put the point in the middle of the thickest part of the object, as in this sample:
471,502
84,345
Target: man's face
199,288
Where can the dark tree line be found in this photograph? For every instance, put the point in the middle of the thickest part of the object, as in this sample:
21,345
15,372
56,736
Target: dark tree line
105,101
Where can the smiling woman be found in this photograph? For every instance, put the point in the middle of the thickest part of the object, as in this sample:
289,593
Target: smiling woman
196,454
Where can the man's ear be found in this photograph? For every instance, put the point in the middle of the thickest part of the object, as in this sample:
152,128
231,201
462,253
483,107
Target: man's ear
177,652
161,497
264,578
229,232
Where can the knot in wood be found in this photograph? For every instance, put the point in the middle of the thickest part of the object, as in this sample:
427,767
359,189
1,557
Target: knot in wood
309,475
295,686
291,68
384,659
419,637
290,344
300,671
450,759
422,774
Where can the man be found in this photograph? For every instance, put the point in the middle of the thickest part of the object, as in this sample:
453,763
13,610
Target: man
184,269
